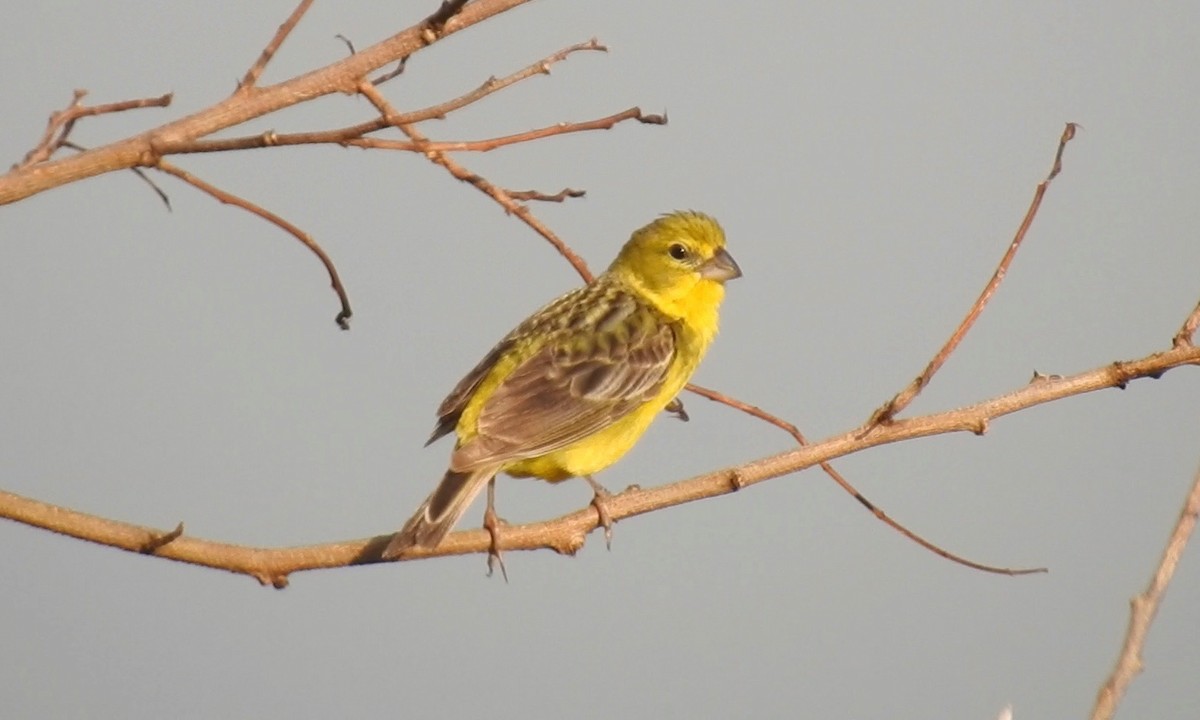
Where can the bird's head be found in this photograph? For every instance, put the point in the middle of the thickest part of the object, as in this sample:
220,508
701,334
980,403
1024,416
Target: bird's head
679,262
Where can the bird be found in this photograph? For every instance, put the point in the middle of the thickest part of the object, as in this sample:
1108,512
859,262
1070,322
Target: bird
572,388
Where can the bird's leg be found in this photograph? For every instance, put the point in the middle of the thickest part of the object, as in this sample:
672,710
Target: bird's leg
599,497
492,523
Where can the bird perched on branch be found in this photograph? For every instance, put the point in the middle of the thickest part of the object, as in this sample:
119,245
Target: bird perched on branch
572,388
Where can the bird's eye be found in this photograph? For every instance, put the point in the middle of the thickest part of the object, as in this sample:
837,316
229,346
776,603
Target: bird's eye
678,251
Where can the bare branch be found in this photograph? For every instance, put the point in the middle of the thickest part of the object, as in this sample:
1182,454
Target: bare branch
145,149
162,195
61,123
902,399
343,317
1144,607
256,70
604,123
567,534
1187,332
496,193
340,136
845,484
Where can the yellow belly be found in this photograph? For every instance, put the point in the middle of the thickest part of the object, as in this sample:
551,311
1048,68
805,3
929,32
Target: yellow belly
596,452
593,453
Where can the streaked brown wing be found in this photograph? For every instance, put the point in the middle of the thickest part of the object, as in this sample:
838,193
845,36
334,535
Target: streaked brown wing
557,311
568,391
452,407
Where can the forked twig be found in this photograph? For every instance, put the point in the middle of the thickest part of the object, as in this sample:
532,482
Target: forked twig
162,195
256,70
458,171
845,484
897,404
341,136
343,317
1187,331
1144,607
61,123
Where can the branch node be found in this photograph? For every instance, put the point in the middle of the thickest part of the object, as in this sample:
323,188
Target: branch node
570,544
736,480
158,540
277,580
1121,375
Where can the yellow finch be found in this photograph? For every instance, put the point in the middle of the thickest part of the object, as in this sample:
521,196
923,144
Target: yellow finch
572,388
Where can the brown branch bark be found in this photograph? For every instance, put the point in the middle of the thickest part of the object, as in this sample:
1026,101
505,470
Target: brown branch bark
285,29
340,136
489,144
145,149
567,534
1144,607
1187,332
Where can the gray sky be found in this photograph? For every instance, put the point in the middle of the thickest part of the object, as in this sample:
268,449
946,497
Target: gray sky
869,165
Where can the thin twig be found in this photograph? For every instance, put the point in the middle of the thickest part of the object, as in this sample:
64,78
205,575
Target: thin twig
162,195
458,171
557,197
1187,331
343,317
61,123
341,136
493,84
604,123
390,74
845,484
897,404
1144,607
568,533
144,148
256,70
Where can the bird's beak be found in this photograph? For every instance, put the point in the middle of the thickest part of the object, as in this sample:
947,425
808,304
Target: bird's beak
720,267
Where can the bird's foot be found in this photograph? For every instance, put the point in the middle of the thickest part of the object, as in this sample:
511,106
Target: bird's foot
600,496
492,523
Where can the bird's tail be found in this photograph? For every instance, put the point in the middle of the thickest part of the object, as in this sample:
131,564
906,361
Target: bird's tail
441,510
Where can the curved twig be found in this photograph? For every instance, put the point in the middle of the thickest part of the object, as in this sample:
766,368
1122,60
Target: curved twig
846,485
343,317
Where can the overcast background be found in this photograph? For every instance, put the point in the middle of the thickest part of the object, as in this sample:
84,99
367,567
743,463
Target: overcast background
870,165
